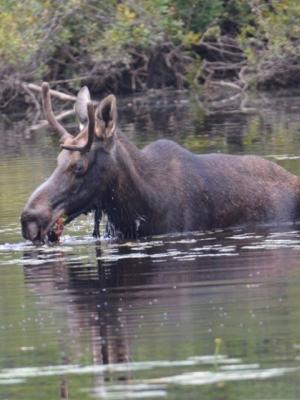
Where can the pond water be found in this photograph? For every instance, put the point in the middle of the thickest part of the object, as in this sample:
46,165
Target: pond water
204,315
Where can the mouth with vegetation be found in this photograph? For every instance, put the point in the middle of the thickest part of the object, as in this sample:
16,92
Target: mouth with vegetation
56,231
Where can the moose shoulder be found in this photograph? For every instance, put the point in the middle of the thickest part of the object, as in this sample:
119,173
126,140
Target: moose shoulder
161,188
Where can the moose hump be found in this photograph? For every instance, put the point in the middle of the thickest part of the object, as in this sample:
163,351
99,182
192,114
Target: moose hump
159,189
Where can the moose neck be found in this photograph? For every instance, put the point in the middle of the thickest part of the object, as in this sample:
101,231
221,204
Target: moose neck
130,200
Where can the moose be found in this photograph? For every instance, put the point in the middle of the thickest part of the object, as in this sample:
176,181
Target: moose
160,189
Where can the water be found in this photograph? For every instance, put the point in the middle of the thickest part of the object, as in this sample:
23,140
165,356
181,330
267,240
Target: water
210,315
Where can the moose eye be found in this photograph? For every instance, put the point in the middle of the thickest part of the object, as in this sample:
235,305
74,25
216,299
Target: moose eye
79,168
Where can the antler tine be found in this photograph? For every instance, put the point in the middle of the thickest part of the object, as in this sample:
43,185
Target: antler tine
47,106
90,132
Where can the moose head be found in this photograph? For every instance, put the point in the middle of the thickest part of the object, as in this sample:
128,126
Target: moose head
85,160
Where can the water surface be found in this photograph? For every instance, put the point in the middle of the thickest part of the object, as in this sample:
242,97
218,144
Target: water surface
210,315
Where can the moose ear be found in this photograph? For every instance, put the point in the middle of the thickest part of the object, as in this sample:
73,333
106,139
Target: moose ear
83,97
108,115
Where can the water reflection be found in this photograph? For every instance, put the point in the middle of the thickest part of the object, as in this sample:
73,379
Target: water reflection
156,297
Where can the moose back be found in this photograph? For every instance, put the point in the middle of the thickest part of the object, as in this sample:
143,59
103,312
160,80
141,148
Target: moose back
159,189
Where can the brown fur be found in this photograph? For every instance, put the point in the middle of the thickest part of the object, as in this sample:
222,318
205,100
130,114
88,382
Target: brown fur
174,190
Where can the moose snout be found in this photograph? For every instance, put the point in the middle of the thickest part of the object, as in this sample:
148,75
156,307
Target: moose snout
34,223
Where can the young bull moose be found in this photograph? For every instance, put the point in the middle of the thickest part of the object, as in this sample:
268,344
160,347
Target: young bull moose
161,188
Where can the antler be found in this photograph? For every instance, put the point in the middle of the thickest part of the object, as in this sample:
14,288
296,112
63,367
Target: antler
47,106
90,131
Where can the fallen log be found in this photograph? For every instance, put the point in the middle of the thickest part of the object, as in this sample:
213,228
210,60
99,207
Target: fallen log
55,93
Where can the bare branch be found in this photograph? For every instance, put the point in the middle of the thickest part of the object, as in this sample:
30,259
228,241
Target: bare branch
221,50
230,85
34,100
222,66
55,93
44,123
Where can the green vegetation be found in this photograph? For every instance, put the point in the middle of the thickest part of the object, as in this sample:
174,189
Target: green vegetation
133,45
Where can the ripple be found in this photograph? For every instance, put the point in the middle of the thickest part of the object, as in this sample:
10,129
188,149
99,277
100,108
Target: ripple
54,370
129,391
158,387
281,157
211,377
